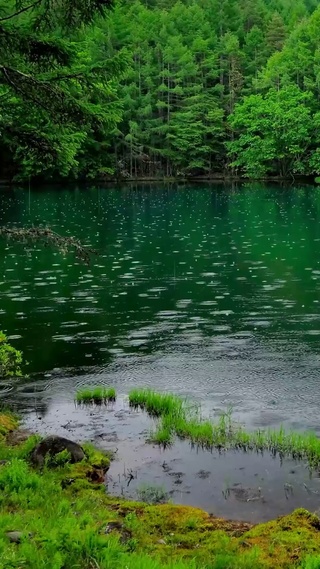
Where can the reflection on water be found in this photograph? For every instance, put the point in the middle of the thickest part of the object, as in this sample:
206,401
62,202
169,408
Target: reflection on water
207,291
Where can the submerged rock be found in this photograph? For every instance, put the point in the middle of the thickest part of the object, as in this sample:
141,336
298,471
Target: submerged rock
53,445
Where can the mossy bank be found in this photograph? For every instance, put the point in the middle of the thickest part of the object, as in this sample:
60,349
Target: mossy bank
59,517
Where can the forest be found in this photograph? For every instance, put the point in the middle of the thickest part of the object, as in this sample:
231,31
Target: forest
102,89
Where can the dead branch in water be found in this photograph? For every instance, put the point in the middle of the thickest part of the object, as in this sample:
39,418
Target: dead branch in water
47,237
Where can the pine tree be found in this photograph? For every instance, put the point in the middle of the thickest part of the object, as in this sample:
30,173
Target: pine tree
51,87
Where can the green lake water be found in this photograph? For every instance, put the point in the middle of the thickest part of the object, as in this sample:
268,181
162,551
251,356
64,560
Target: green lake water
208,291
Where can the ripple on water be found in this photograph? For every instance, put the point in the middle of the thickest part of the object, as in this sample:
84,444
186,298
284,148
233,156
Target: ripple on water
220,305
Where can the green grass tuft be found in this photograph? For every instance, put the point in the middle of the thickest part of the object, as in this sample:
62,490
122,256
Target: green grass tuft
156,404
97,395
177,418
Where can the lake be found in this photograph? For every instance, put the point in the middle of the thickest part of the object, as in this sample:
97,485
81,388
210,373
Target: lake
208,291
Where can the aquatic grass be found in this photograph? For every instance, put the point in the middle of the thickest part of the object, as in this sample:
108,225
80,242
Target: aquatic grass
176,417
156,404
152,494
97,395
84,396
162,436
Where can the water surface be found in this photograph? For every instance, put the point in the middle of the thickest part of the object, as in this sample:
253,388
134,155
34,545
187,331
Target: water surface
208,291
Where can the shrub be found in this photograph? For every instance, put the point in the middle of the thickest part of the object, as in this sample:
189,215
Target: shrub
10,359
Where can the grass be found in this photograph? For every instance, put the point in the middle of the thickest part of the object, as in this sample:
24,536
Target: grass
156,404
97,395
78,526
175,417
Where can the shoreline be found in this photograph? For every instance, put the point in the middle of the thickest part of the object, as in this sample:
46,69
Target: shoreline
118,181
113,532
228,481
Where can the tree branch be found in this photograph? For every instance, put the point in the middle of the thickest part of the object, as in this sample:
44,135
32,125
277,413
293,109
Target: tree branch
48,237
63,77
25,9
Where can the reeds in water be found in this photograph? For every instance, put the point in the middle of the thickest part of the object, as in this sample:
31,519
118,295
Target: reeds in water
97,395
176,417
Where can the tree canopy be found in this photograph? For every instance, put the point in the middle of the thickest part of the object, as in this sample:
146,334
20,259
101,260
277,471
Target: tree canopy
98,88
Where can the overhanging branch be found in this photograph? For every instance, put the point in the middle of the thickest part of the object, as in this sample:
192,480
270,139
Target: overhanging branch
21,11
48,237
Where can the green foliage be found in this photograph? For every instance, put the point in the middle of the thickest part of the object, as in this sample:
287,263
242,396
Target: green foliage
193,63
10,359
17,477
157,88
274,132
57,89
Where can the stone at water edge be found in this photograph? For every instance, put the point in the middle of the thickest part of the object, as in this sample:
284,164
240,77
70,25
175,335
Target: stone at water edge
52,446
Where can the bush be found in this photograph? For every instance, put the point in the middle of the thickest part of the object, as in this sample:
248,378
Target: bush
10,359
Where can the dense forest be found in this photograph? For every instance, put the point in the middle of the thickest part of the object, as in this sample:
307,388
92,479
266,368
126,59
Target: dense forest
159,88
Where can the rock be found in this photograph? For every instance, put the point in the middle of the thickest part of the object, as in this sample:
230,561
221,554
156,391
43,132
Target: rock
112,526
52,446
14,536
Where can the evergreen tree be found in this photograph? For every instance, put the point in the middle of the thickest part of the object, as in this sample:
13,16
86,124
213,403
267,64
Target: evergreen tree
52,89
157,88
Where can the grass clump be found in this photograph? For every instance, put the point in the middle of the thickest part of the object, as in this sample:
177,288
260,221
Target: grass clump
97,395
156,404
175,417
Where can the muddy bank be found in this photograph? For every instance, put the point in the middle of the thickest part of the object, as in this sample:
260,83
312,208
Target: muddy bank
241,486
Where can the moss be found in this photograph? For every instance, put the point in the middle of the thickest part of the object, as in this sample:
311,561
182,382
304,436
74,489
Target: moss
91,470
186,532
96,457
8,423
287,540
181,532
